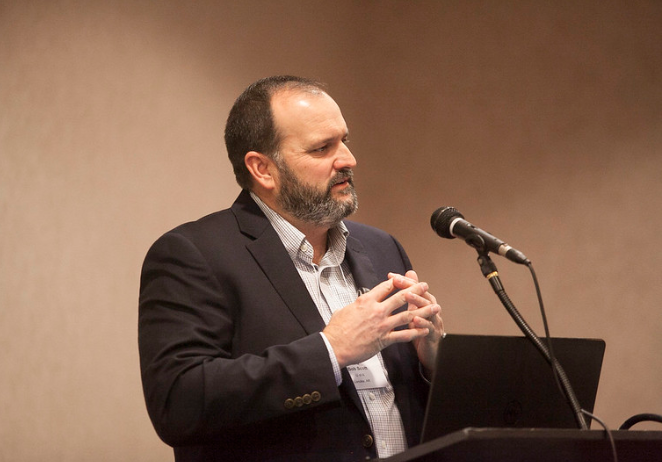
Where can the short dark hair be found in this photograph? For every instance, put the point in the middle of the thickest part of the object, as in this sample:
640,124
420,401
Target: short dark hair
250,125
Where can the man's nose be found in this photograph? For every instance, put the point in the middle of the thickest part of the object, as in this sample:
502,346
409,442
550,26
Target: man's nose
344,159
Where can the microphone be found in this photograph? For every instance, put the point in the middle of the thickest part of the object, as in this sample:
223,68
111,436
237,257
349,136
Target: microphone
448,223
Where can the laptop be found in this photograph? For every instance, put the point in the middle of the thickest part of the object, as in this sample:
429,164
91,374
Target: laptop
500,381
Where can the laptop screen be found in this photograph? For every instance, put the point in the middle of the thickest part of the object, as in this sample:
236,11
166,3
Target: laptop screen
500,381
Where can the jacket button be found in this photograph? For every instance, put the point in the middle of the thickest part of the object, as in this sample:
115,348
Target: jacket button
367,441
316,396
289,403
298,401
307,399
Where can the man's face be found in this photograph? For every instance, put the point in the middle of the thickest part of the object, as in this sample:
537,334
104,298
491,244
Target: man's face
315,182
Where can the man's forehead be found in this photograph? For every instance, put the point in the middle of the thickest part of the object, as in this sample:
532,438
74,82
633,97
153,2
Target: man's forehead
295,108
297,98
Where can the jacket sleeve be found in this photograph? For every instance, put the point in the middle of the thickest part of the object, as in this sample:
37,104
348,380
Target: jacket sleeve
196,386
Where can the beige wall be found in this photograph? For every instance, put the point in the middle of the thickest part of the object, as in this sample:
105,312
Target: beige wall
541,121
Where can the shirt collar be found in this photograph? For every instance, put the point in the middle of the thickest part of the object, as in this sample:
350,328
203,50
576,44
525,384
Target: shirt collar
295,241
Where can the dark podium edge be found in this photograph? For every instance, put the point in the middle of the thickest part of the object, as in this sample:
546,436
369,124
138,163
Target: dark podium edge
499,444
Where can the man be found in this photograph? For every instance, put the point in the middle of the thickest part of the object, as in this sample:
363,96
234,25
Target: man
274,330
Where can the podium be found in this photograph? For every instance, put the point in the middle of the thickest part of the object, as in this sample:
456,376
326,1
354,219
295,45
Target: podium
539,445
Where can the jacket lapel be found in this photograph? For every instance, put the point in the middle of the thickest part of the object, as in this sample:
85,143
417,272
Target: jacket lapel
270,254
360,265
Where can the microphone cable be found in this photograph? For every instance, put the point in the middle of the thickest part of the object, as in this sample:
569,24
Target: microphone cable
548,337
489,270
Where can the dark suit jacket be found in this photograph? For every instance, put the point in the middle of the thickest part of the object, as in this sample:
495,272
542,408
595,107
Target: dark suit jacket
229,338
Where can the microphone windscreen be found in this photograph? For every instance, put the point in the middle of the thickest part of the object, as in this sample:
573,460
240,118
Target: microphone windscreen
441,221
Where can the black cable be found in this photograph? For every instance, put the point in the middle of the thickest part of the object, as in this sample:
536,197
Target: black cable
543,314
490,272
640,418
556,377
607,431
554,361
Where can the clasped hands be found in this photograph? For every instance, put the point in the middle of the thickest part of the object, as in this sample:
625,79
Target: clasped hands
362,329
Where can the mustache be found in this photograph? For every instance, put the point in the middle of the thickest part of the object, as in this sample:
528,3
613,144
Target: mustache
346,174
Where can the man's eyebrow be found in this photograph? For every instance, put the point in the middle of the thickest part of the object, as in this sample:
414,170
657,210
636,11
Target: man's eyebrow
331,138
345,135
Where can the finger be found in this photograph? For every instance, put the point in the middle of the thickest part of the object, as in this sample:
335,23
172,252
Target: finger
417,301
442,329
422,323
400,298
407,281
411,274
406,317
402,282
438,323
429,312
406,335
381,290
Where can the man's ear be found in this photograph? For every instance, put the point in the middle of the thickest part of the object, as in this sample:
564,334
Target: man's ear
261,168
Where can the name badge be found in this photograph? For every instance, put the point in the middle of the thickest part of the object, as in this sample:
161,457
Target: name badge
368,374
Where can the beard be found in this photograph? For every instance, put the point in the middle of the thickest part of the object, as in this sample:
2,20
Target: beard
312,206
